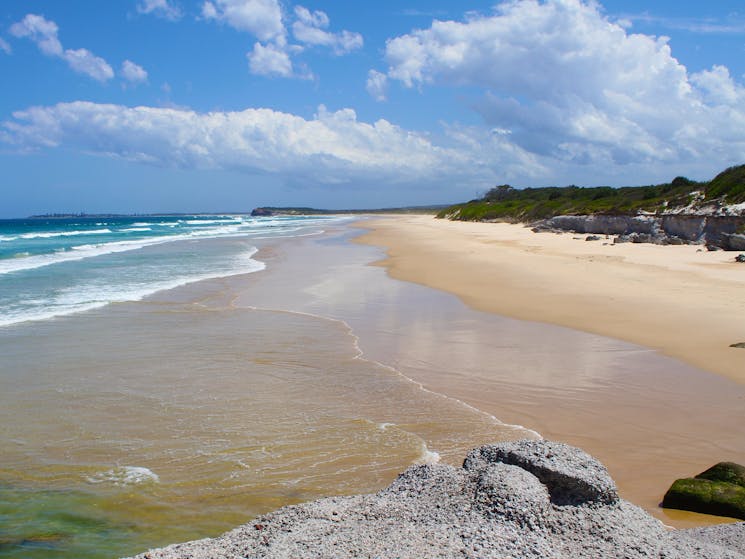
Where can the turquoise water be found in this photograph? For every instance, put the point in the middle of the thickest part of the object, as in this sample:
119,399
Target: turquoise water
55,267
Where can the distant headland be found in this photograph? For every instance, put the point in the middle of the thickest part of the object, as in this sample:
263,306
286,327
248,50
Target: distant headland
275,211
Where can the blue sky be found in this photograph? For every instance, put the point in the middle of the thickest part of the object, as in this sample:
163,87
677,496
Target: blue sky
224,105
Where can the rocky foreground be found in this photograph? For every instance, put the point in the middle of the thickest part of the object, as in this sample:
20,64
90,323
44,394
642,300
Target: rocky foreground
517,499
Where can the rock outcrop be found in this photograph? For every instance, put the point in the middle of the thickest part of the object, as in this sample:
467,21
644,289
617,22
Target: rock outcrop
517,499
715,231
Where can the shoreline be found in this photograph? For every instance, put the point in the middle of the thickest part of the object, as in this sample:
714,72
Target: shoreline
650,418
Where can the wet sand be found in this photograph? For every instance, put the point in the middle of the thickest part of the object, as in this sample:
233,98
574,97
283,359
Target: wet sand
649,418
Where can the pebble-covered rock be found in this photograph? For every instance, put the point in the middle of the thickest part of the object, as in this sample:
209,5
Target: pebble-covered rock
527,499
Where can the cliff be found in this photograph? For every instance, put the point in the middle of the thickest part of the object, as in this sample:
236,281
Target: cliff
517,499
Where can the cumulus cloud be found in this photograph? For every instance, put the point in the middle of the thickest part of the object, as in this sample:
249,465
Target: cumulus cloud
4,46
269,60
333,147
567,83
132,72
273,54
43,32
377,85
262,18
165,9
309,28
85,62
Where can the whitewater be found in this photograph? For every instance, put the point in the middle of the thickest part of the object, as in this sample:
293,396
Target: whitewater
52,267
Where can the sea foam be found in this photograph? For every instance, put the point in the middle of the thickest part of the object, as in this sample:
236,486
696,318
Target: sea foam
125,475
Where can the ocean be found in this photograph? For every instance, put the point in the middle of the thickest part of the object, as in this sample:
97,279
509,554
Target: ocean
166,378
58,266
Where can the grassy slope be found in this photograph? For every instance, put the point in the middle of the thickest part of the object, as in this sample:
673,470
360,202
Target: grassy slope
505,202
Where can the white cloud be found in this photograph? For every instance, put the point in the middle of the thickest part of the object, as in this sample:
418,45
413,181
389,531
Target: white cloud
569,85
4,46
718,87
133,72
272,55
331,148
43,32
161,8
309,28
262,18
269,60
85,62
732,24
377,85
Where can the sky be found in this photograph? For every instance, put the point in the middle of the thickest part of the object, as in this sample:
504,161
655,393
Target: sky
145,106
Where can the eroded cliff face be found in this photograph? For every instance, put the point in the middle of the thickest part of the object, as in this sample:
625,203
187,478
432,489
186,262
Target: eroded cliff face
713,231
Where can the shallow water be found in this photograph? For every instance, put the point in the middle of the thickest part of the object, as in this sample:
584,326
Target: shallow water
145,423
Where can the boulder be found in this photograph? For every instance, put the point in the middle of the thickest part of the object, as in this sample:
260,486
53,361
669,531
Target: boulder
720,490
733,242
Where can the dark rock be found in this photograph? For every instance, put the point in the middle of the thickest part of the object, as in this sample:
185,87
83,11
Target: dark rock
707,497
261,212
592,238
715,231
740,258
740,345
733,241
729,472
641,238
719,490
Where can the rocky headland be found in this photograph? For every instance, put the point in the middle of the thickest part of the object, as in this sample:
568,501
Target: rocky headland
516,499
679,212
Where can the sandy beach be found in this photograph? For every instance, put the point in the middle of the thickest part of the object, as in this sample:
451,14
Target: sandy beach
681,300
648,421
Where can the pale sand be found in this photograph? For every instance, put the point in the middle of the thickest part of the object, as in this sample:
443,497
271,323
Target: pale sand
651,423
686,302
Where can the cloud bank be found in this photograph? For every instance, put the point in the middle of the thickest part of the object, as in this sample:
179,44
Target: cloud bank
565,83
331,148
